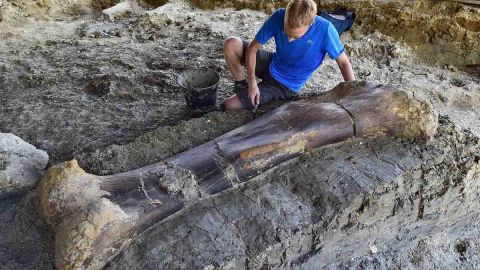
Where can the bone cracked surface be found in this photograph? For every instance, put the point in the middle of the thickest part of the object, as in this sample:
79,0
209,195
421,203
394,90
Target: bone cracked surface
100,215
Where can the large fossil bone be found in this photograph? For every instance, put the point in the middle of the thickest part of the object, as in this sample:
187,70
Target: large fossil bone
94,216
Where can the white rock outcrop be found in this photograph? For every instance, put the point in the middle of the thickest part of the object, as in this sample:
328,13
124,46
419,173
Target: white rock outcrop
21,164
121,10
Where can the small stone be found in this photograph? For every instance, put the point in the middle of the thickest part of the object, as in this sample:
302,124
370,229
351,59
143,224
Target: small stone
119,11
417,174
209,267
373,249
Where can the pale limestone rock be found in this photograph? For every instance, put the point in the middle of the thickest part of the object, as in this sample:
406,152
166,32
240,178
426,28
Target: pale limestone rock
21,164
121,10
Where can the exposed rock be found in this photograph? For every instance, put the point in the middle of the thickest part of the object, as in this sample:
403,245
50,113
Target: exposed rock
166,15
21,164
431,29
121,10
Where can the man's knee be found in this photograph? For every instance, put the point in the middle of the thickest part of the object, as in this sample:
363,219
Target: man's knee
233,104
232,44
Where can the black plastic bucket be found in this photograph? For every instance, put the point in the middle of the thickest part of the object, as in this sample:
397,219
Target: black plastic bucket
200,88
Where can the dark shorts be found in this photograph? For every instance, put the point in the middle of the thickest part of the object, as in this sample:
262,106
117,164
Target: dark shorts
270,89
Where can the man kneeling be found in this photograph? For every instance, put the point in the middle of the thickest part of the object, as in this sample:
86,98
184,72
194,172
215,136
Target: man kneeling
302,38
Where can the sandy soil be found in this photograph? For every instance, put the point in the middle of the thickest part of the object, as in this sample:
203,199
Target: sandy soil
105,92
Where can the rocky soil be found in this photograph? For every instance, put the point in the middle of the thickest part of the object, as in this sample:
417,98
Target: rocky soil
102,88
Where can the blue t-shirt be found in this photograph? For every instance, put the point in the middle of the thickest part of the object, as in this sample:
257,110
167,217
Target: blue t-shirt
294,62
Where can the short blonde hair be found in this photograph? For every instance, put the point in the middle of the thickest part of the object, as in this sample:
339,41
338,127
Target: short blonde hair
300,13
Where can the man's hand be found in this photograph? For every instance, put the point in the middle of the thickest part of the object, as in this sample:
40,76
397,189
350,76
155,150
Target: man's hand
253,93
345,67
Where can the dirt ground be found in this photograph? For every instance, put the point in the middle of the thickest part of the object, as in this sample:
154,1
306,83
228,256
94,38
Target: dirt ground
80,85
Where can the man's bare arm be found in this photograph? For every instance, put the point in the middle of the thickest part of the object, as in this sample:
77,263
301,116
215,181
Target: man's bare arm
250,63
345,67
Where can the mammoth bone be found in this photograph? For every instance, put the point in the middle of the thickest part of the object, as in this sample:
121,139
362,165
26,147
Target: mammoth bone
95,216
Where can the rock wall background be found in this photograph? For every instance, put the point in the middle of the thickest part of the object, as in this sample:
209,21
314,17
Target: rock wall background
440,32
